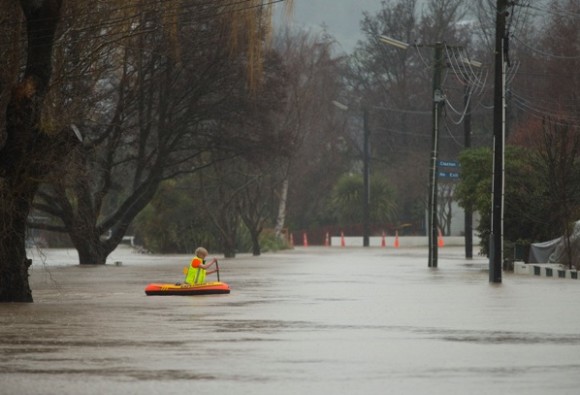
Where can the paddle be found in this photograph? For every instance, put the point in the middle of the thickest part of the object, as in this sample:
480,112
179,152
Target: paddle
217,269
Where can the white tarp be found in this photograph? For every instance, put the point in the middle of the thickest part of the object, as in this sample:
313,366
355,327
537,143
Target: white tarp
540,252
554,251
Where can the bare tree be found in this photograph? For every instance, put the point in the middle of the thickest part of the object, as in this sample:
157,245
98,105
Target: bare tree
236,192
545,102
560,160
31,148
240,188
445,212
153,127
313,125
257,202
397,86
34,143
163,111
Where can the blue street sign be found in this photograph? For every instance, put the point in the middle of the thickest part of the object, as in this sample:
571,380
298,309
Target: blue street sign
447,174
448,163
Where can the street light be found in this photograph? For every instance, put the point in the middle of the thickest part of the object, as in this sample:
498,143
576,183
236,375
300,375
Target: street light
340,105
470,62
366,171
438,100
393,42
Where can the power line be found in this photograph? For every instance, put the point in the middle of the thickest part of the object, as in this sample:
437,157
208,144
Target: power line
450,133
463,68
553,10
540,112
143,6
177,11
404,111
572,104
544,53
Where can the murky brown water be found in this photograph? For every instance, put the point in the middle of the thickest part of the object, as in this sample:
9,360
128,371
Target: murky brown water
313,320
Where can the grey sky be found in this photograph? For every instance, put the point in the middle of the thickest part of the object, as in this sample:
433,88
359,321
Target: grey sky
341,18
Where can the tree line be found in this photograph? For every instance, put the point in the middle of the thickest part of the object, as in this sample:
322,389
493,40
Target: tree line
191,123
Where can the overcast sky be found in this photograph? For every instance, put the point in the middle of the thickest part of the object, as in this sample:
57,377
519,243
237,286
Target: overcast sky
341,18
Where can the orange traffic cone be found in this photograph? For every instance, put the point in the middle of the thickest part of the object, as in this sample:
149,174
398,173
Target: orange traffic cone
342,243
396,239
383,240
305,239
440,242
327,240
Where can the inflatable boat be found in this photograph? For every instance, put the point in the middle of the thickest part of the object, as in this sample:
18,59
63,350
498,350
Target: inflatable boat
213,288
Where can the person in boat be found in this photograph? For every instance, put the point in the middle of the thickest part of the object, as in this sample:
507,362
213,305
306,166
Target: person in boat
198,269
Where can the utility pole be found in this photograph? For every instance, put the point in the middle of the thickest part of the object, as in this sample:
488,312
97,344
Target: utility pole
366,170
366,181
438,100
497,207
468,222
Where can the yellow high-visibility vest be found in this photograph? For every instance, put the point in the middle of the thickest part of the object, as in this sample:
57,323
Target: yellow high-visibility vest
195,275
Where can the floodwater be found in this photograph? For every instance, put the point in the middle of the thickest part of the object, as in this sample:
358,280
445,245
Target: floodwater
311,320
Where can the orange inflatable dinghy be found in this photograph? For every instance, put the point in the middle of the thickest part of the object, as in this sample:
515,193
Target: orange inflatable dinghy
212,288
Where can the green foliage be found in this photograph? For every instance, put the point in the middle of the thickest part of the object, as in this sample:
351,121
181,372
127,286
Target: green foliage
347,199
174,222
269,241
524,207
171,223
474,187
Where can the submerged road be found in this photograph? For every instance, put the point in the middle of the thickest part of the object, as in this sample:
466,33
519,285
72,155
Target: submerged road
306,321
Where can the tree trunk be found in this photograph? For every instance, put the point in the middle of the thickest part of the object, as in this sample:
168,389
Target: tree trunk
255,235
281,218
229,247
14,264
90,249
28,154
